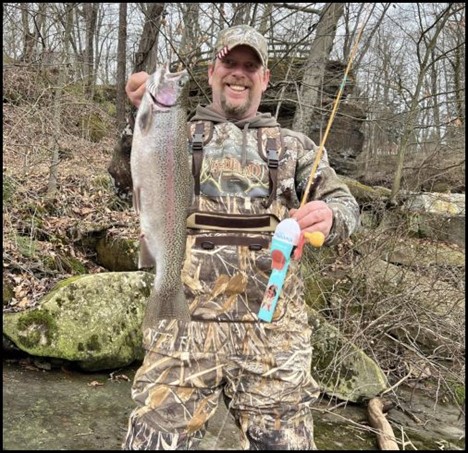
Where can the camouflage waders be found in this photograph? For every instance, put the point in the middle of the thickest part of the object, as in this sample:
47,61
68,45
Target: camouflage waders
262,369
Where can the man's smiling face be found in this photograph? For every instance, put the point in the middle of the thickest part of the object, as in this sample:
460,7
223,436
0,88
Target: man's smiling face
238,81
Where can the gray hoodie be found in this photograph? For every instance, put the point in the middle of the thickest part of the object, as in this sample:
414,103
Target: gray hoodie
209,114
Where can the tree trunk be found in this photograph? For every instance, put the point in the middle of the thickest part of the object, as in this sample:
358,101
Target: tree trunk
459,69
29,40
121,67
266,18
189,48
408,131
97,47
314,69
145,58
90,14
57,115
435,100
77,44
242,13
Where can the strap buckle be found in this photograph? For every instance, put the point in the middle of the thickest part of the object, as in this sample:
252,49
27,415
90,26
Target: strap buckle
207,245
272,155
272,158
197,142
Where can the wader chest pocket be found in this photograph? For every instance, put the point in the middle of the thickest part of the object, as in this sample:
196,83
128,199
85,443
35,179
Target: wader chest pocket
253,243
232,222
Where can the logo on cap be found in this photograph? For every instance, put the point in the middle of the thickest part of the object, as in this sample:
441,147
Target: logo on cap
241,35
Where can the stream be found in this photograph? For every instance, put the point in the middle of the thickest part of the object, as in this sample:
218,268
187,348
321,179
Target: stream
57,408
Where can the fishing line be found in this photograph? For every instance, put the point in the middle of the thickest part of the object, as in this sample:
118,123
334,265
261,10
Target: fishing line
186,66
332,115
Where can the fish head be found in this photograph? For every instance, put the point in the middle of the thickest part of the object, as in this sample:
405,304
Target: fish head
170,88
164,90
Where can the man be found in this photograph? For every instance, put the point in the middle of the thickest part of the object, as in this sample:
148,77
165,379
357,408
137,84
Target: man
263,369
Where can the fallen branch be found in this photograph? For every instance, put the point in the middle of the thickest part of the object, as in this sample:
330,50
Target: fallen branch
385,437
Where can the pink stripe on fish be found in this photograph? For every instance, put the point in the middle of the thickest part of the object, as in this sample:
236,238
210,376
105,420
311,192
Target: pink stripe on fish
170,184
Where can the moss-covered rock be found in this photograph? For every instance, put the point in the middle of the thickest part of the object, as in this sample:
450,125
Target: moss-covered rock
342,369
93,320
411,252
117,254
435,216
364,193
37,328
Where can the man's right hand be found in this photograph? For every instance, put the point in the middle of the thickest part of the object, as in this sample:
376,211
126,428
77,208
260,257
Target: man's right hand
136,86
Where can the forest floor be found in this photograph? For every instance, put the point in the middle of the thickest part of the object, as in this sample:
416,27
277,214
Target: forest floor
43,231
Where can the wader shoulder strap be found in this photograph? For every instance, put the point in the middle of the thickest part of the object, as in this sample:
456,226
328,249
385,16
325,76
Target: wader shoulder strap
271,139
200,134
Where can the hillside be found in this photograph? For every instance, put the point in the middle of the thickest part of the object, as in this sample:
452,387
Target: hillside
44,237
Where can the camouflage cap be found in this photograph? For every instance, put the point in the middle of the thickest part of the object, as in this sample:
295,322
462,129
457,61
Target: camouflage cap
241,35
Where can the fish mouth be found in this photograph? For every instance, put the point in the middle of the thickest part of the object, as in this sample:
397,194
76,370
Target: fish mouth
160,104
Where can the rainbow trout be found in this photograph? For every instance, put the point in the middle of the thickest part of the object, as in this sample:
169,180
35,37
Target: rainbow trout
161,191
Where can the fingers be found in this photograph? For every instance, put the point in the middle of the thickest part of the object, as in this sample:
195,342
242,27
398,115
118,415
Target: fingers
314,216
136,86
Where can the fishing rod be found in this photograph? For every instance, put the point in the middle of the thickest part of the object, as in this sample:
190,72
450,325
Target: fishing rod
288,240
317,238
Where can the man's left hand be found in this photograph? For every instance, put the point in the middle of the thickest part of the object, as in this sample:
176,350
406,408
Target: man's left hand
314,216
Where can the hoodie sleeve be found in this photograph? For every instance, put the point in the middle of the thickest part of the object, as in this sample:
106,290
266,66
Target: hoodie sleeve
328,187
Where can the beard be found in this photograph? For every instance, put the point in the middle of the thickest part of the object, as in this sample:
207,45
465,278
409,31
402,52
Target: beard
235,111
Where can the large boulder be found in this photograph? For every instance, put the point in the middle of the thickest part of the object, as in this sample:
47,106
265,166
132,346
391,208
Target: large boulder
414,253
400,283
438,216
342,369
412,296
93,320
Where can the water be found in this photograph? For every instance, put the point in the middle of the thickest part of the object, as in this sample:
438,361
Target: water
60,409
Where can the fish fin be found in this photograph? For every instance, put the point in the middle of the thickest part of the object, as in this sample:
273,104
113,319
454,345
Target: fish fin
151,311
136,200
145,258
145,117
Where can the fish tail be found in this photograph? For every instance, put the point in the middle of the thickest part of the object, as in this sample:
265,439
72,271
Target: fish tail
162,307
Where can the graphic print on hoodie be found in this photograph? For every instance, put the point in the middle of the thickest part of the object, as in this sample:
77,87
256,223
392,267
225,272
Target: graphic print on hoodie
232,165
